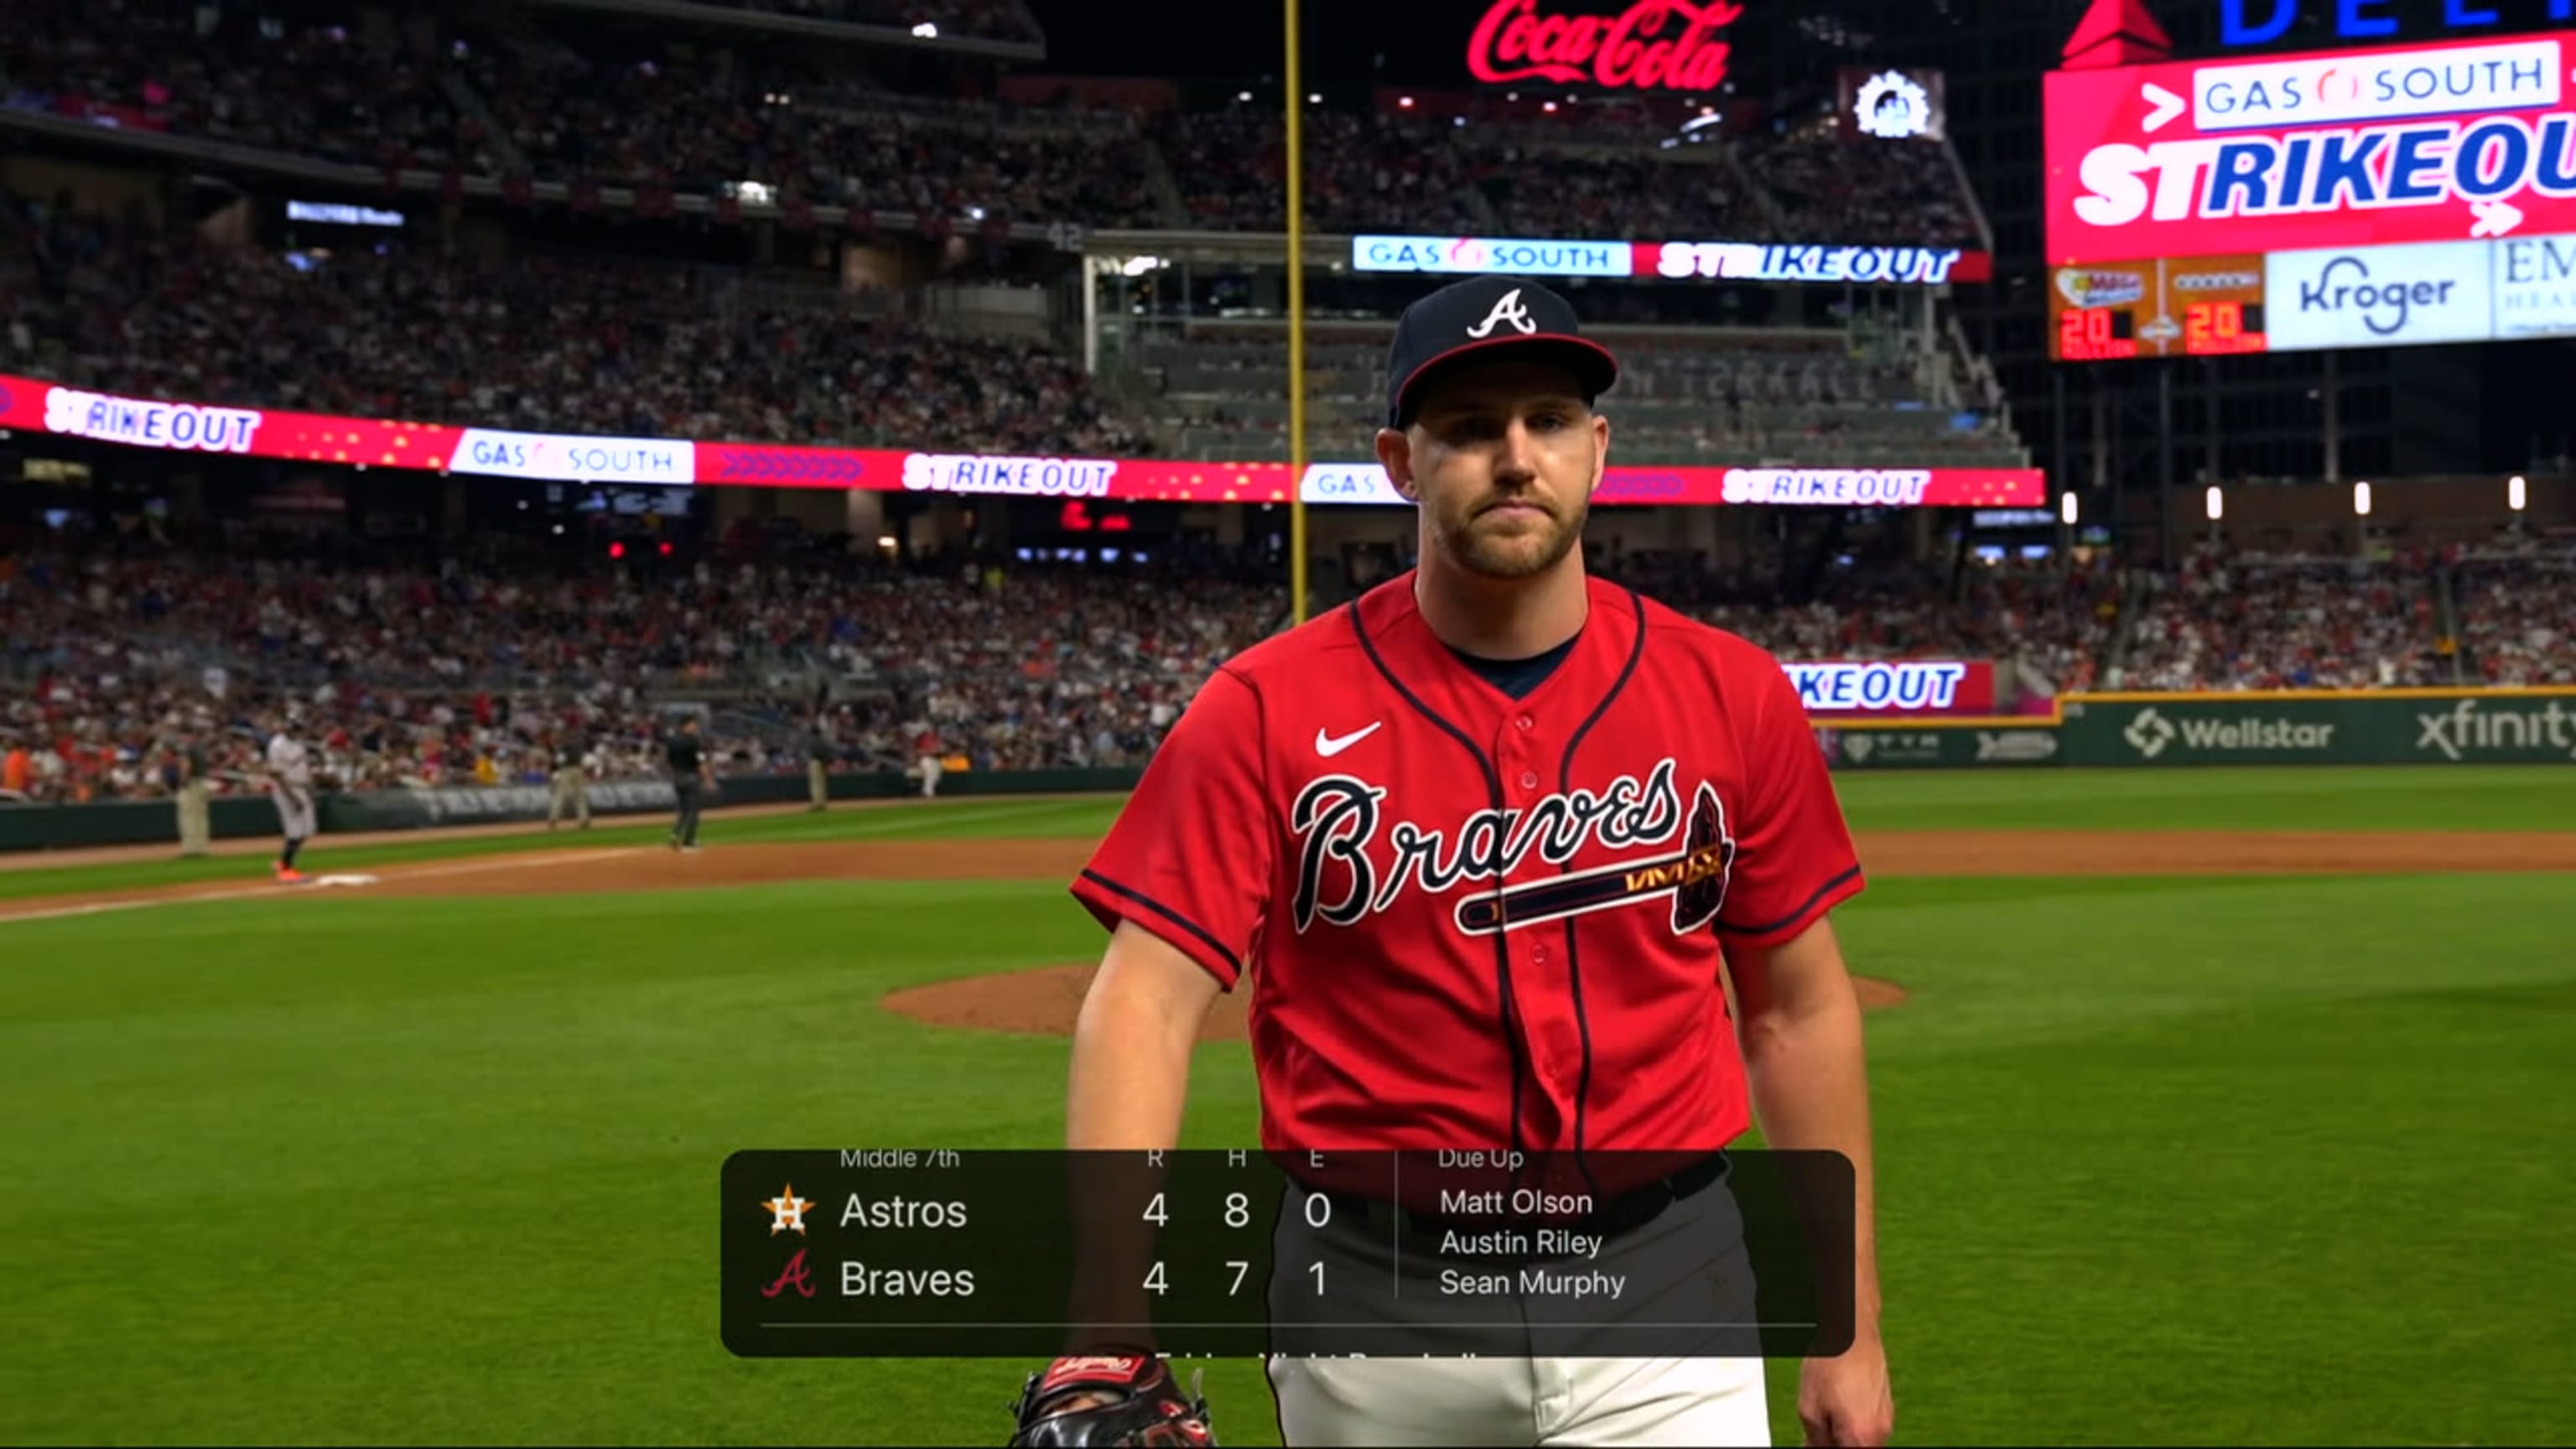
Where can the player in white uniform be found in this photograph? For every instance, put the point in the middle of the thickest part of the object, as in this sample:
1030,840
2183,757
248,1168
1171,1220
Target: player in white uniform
290,786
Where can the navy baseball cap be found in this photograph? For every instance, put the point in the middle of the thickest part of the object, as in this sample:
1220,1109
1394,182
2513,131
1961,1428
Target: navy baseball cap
1487,318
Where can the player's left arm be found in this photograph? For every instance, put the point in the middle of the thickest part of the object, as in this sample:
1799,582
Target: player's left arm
1797,1015
1799,1021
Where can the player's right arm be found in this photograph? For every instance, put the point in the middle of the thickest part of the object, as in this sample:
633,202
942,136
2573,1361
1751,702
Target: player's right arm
1132,1042
1182,881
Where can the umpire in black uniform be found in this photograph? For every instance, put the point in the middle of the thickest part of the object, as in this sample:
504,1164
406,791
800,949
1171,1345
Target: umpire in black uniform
693,778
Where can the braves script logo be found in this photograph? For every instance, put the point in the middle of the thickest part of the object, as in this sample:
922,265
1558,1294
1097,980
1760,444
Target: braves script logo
1509,309
1516,43
1336,820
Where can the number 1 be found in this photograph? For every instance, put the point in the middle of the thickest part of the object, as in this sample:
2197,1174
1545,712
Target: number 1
1319,1279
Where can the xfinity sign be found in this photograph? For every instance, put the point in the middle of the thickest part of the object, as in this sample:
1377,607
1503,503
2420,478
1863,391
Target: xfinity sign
2378,296
1477,255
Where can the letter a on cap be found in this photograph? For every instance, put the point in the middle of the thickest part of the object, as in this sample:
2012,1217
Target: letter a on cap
1509,309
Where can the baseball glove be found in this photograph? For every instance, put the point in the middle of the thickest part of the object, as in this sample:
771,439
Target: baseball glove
1144,1405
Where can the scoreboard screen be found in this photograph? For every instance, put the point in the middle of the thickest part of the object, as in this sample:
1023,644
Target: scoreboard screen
2188,307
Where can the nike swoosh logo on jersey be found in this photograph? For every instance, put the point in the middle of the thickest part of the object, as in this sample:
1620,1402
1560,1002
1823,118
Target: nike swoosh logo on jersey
1327,746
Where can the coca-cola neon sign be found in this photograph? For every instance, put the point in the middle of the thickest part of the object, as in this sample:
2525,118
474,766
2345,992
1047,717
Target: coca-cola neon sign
1630,50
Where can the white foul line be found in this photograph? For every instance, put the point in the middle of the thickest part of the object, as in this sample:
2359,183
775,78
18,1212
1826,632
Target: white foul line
274,892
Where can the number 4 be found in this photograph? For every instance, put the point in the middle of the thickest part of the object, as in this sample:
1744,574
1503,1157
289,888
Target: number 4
1155,1212
1154,1280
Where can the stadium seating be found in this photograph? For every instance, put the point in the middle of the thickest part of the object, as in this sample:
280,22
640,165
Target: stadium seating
2517,611
545,345
1708,397
412,672
2239,623
423,672
574,104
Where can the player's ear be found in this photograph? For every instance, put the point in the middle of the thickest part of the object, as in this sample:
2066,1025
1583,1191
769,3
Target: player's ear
1395,455
1600,452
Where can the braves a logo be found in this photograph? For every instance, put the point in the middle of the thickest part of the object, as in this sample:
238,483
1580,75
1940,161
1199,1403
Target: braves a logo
1336,821
1508,309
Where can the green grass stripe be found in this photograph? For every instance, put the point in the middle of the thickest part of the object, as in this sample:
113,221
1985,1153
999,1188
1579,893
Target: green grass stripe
2171,1160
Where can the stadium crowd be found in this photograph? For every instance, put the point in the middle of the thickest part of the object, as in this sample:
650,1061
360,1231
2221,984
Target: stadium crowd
543,345
1829,190
470,669
2291,622
587,109
2517,605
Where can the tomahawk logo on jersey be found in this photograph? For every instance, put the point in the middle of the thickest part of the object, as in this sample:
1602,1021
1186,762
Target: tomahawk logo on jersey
1525,900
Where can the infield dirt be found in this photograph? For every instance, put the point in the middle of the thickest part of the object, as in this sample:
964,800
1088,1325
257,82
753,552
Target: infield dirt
590,871
1046,999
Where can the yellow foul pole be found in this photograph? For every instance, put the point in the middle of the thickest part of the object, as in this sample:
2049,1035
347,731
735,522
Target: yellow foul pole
1296,329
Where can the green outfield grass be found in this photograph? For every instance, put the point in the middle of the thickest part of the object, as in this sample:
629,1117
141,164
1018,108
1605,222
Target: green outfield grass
2259,1161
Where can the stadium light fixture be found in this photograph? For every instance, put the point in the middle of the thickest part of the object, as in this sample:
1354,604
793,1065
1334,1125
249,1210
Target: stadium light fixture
2516,494
2217,503
1405,101
2066,507
926,31
2361,500
1549,107
1314,98
1243,95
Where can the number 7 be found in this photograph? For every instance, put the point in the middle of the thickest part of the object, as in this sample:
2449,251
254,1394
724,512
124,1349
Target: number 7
1240,1267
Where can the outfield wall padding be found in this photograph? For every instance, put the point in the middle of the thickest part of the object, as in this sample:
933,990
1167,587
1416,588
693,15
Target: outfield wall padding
2128,731
1923,746
2413,728
156,822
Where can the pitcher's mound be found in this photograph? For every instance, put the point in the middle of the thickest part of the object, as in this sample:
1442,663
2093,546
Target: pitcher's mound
1045,1002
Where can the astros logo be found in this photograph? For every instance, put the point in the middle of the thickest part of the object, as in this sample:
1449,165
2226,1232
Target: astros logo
787,1211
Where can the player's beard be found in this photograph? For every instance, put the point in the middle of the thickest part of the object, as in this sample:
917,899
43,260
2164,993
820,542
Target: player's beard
1516,545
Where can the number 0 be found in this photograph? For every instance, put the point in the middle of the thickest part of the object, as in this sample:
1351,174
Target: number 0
1319,1211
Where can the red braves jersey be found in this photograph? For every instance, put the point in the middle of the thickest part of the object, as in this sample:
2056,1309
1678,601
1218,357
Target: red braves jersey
1475,921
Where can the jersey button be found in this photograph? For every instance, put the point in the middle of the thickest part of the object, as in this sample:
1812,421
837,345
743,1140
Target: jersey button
1525,722
1529,779
1538,955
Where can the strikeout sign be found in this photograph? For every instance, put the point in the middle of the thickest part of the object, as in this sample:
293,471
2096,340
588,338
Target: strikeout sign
1665,45
2438,142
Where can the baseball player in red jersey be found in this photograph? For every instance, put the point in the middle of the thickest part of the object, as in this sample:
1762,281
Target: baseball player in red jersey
1478,843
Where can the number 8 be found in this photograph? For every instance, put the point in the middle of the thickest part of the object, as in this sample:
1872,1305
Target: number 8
1238,1210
